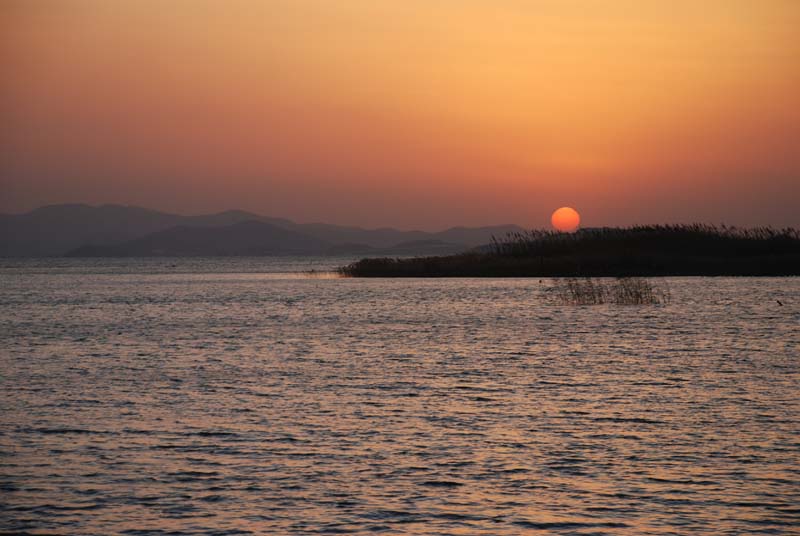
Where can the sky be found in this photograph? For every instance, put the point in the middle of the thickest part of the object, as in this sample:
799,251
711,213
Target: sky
413,114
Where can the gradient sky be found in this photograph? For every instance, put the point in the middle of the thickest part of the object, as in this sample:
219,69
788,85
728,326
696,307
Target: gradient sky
413,113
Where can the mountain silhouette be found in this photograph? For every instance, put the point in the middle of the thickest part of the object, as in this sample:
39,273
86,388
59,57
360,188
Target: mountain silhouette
250,238
74,229
56,229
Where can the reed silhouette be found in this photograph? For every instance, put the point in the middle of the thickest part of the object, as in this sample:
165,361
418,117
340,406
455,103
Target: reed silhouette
618,291
651,250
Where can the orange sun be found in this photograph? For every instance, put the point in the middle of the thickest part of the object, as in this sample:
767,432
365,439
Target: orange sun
566,219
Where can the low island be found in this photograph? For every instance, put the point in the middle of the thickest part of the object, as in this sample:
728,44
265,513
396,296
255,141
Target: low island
655,250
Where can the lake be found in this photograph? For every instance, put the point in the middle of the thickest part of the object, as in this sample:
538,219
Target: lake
244,396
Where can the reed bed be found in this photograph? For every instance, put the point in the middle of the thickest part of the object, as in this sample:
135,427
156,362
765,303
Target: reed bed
640,251
697,237
619,291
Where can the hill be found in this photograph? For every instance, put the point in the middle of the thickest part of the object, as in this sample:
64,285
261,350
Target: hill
251,238
64,229
56,229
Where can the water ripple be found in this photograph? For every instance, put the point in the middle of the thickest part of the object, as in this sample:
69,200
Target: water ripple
142,403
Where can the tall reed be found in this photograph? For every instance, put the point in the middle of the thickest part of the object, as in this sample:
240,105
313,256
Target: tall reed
619,291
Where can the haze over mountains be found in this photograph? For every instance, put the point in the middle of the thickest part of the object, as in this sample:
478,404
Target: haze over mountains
124,231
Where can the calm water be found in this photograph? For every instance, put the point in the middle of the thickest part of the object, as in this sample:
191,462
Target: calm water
223,397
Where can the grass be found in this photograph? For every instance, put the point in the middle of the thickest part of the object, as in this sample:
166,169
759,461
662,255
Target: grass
640,251
620,291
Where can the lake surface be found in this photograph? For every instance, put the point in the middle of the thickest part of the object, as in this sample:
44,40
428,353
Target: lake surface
241,396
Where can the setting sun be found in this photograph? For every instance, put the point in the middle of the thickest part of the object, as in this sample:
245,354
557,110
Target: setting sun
566,219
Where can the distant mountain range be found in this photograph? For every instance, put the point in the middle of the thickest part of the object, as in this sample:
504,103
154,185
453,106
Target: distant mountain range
122,231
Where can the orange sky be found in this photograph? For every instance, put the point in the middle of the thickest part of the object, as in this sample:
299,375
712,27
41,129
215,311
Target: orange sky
416,114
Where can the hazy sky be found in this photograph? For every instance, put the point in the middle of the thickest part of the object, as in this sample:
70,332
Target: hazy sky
412,113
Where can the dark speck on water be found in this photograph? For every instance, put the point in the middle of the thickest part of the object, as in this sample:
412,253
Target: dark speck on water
187,397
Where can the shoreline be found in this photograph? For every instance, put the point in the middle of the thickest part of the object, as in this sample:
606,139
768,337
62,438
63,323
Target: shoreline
647,251
462,266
